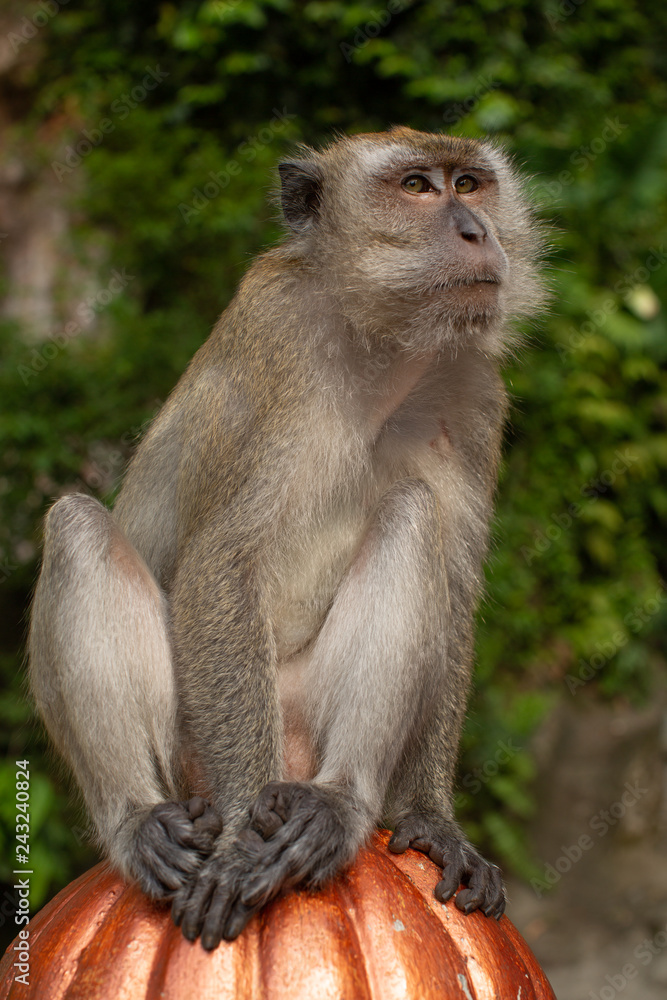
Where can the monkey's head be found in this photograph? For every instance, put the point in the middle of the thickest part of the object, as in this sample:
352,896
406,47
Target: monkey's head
426,238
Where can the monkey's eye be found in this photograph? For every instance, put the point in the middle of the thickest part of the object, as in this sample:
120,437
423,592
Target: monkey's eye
465,184
417,184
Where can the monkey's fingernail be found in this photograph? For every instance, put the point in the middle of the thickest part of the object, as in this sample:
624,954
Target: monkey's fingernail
397,845
237,921
210,940
190,930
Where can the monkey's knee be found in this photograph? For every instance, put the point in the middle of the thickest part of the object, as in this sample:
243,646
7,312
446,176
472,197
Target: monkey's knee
412,497
73,509
409,514
83,545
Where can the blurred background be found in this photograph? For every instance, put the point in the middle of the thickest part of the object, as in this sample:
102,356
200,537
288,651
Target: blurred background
138,150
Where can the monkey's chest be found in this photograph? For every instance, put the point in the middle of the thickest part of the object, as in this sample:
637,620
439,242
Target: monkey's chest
306,575
309,564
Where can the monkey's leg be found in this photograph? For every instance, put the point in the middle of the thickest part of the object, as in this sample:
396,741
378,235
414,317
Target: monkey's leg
419,803
422,817
101,674
376,667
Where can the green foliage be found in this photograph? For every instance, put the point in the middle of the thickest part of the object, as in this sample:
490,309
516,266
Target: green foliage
575,606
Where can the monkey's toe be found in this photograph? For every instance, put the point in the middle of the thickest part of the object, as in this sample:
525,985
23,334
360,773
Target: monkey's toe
483,886
444,843
205,821
270,809
171,842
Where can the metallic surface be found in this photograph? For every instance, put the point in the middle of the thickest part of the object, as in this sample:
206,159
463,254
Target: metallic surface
376,932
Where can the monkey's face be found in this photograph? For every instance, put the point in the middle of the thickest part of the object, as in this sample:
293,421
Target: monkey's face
420,229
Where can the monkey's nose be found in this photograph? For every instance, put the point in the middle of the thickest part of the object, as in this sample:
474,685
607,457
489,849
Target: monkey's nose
472,235
468,227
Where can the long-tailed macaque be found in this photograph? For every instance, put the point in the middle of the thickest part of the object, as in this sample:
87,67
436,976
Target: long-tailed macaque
265,650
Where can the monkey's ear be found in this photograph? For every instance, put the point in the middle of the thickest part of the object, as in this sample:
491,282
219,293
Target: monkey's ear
301,187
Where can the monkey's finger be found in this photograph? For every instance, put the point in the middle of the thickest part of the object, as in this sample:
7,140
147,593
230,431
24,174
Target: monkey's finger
250,844
216,917
398,842
454,872
287,868
434,852
196,806
180,902
468,900
270,810
449,883
295,863
261,888
171,869
194,913
157,888
239,917
497,910
206,821
189,910
265,822
170,823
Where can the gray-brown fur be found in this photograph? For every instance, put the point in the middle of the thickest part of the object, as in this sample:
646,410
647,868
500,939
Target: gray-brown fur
278,614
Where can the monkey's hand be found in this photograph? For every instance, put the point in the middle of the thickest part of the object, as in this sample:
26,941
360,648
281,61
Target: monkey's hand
209,903
169,844
299,833
445,844
310,831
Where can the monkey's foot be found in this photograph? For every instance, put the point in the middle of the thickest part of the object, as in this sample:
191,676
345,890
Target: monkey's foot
445,844
170,843
299,833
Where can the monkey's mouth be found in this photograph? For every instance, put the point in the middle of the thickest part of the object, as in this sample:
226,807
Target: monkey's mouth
443,286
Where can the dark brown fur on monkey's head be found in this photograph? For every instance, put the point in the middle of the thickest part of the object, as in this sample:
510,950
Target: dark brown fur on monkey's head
431,267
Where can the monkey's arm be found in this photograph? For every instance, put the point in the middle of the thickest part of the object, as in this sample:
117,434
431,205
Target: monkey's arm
225,671
225,668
